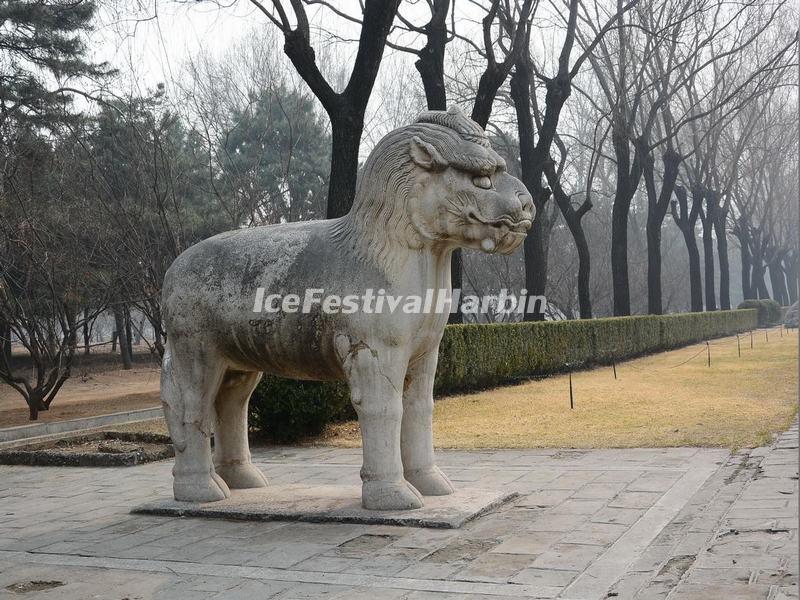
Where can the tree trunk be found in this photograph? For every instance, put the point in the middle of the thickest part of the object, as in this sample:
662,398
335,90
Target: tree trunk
124,350
695,282
724,263
346,130
778,282
536,245
654,305
35,403
128,330
430,63
490,82
758,283
5,339
433,83
346,108
535,248
708,254
748,292
584,271
573,219
790,268
657,206
653,235
628,175
686,220
86,333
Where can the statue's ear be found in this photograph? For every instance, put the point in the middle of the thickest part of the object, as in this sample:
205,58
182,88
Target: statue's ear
426,156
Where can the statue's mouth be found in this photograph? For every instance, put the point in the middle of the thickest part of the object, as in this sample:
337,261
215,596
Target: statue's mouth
520,226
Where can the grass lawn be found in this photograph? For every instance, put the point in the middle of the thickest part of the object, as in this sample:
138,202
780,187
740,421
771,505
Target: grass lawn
655,401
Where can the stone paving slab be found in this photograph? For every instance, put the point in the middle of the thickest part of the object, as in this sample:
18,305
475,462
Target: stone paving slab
577,513
736,539
333,504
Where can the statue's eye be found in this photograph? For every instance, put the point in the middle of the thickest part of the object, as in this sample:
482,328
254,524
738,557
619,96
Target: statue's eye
482,182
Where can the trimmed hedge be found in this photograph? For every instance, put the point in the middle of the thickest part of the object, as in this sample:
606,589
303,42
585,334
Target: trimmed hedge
769,311
285,410
473,357
479,356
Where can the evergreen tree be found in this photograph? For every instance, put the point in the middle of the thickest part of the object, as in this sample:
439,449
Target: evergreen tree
275,158
41,48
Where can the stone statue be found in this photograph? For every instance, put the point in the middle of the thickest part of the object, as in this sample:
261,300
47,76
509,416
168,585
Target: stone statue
425,189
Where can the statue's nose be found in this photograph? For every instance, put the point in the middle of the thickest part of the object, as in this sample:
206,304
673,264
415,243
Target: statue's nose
524,210
512,204
526,204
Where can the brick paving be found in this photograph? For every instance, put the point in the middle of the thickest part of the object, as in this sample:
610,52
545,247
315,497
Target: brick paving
677,523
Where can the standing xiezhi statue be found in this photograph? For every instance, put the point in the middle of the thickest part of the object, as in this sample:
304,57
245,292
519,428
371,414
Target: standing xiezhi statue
425,190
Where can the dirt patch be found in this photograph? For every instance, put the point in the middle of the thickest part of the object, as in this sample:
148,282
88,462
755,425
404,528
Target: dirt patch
87,394
105,449
25,587
65,409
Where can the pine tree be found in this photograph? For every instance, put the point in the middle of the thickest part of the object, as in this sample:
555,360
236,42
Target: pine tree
40,48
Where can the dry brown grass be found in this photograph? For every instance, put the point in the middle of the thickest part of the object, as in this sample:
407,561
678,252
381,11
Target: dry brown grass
738,402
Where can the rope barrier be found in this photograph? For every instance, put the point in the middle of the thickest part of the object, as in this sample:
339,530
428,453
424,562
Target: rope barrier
688,359
707,349
718,342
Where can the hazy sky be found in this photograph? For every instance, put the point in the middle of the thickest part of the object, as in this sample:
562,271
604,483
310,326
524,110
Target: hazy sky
149,40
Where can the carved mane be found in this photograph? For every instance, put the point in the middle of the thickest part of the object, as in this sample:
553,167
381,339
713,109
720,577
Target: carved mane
378,224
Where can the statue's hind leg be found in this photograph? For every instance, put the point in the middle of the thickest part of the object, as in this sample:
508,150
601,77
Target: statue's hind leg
190,378
416,441
231,448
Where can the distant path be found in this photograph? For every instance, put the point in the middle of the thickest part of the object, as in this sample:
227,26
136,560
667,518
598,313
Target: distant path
102,392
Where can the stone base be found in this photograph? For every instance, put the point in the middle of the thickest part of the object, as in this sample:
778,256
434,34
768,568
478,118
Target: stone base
334,504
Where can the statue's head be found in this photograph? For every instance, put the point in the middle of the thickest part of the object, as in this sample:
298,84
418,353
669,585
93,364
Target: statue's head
438,182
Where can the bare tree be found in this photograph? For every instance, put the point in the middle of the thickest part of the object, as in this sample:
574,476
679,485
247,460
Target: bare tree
346,108
764,203
537,129
52,279
648,76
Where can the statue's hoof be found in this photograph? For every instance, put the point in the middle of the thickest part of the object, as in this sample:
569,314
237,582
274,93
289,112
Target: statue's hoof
242,477
208,487
430,482
390,495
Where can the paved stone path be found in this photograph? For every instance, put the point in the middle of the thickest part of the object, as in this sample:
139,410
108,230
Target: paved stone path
682,523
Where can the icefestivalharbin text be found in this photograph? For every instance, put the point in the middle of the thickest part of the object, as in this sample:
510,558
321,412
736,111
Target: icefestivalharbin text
433,301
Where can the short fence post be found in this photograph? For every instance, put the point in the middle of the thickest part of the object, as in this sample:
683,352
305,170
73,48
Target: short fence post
738,345
571,401
614,366
751,339
708,351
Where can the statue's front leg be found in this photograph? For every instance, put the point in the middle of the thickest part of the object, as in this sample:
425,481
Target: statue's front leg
416,442
376,376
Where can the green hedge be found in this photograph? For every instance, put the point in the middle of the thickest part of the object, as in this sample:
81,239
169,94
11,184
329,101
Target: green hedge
285,410
769,311
473,357
478,356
